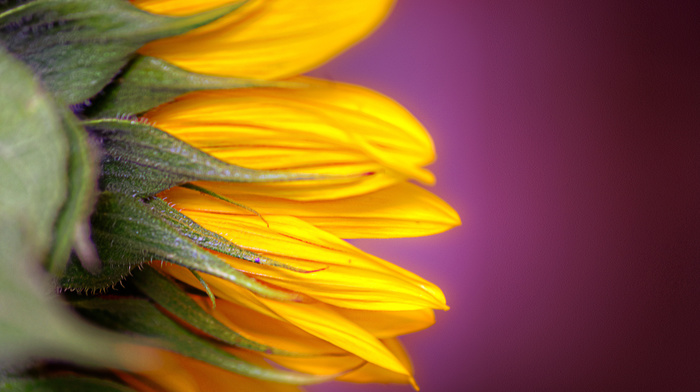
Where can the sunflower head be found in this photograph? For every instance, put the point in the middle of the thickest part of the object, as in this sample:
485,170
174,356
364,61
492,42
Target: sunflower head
188,194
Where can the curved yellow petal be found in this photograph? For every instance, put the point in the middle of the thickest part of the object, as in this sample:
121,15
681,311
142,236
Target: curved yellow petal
266,39
141,385
356,370
323,365
324,358
364,139
390,324
267,330
401,210
344,275
182,374
168,375
373,373
320,357
314,318
182,7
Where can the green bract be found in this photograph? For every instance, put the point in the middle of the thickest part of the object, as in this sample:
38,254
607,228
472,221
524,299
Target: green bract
142,160
131,231
147,82
78,46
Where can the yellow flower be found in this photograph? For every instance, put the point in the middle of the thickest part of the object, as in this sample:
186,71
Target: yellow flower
364,145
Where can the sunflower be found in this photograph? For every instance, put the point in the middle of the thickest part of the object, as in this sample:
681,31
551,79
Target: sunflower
231,182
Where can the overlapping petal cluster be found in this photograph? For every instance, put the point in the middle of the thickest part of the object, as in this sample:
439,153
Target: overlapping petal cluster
366,148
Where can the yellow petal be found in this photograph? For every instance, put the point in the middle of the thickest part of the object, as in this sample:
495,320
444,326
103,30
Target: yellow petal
181,374
390,324
347,277
323,358
373,373
327,128
401,210
139,384
266,39
323,365
314,318
359,371
168,375
267,330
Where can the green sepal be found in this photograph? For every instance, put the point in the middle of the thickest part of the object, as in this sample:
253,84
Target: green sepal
210,240
77,279
130,231
78,46
143,160
147,82
206,288
61,384
133,315
72,229
171,298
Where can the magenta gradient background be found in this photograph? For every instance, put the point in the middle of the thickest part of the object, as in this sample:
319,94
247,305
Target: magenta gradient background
567,136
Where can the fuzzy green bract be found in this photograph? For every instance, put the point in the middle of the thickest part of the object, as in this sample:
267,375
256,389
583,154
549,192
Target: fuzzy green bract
78,46
147,82
130,231
142,160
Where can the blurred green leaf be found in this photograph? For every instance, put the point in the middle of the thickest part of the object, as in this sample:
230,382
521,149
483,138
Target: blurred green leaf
72,224
34,155
61,384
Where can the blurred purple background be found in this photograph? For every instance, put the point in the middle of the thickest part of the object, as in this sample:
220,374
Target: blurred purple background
567,137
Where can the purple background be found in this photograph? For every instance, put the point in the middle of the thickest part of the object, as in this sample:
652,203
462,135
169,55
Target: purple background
567,139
